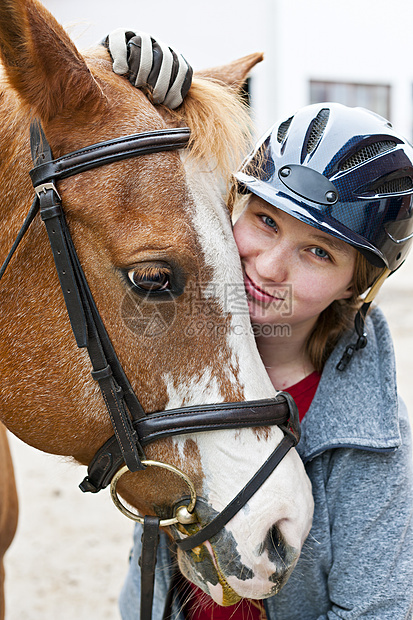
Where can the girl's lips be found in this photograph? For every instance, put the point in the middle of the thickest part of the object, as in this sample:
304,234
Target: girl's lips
258,293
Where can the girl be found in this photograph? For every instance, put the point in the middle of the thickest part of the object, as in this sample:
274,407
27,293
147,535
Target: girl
323,214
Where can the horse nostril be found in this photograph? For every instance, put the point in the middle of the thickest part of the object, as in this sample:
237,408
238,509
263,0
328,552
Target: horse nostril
274,545
274,536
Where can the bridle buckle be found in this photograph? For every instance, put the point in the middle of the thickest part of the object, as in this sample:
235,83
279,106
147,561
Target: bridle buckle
44,187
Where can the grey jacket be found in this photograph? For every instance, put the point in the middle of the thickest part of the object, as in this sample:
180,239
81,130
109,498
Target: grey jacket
357,561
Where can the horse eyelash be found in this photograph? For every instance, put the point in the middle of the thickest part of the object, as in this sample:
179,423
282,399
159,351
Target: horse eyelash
152,272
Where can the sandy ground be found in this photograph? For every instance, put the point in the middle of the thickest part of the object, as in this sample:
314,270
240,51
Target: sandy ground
70,555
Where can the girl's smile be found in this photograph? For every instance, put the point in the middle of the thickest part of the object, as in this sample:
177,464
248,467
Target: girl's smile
258,294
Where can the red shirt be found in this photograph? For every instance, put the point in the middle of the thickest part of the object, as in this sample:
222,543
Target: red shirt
303,392
200,606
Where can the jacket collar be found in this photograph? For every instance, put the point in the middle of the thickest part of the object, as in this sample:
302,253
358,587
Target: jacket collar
357,407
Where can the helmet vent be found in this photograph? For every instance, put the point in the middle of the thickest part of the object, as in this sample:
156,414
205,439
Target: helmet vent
283,128
317,129
366,153
395,186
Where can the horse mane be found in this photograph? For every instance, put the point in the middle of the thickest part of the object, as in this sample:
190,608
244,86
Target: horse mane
220,125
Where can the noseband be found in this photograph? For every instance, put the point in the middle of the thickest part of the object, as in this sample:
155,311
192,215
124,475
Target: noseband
133,428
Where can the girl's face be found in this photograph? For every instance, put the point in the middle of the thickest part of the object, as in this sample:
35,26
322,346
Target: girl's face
292,271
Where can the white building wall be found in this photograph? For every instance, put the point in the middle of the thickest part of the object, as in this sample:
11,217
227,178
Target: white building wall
346,40
340,40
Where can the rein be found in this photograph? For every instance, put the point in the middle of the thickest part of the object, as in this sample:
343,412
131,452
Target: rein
133,428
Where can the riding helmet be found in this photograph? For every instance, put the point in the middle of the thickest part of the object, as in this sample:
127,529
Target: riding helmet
342,170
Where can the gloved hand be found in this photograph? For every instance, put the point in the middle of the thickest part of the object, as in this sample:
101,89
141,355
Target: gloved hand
149,62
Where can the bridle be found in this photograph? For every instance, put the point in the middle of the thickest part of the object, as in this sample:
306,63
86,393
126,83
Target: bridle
133,428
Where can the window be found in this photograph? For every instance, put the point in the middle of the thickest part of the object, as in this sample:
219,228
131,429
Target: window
375,97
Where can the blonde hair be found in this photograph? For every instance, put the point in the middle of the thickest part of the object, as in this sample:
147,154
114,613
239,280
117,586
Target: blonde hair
220,124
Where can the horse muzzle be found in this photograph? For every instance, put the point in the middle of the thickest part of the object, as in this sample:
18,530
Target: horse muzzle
218,566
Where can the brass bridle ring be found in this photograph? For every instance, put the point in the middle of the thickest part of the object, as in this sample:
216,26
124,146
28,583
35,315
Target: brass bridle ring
183,513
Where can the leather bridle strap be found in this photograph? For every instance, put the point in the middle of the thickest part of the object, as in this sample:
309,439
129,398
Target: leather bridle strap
279,411
87,327
25,226
102,153
150,541
121,402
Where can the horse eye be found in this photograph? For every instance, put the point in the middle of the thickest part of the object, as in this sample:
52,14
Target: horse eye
150,278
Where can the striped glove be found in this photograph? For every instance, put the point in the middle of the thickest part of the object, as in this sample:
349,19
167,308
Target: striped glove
149,62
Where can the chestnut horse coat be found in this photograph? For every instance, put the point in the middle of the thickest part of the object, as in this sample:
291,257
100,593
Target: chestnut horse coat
8,507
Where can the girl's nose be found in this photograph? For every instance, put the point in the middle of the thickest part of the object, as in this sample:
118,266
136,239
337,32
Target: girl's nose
272,265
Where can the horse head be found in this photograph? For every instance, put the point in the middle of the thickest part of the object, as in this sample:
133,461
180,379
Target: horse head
154,239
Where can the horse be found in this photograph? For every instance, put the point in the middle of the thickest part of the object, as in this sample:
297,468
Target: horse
8,507
153,238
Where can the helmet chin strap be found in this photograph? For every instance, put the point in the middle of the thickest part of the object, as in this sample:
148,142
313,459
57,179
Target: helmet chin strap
359,321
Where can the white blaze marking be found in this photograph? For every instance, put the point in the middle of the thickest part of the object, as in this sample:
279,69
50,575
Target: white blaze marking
212,224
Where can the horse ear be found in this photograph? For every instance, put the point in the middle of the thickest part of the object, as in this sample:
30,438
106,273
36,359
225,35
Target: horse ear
42,63
233,74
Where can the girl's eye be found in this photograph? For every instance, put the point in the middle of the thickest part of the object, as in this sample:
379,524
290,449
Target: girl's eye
320,253
268,221
150,278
